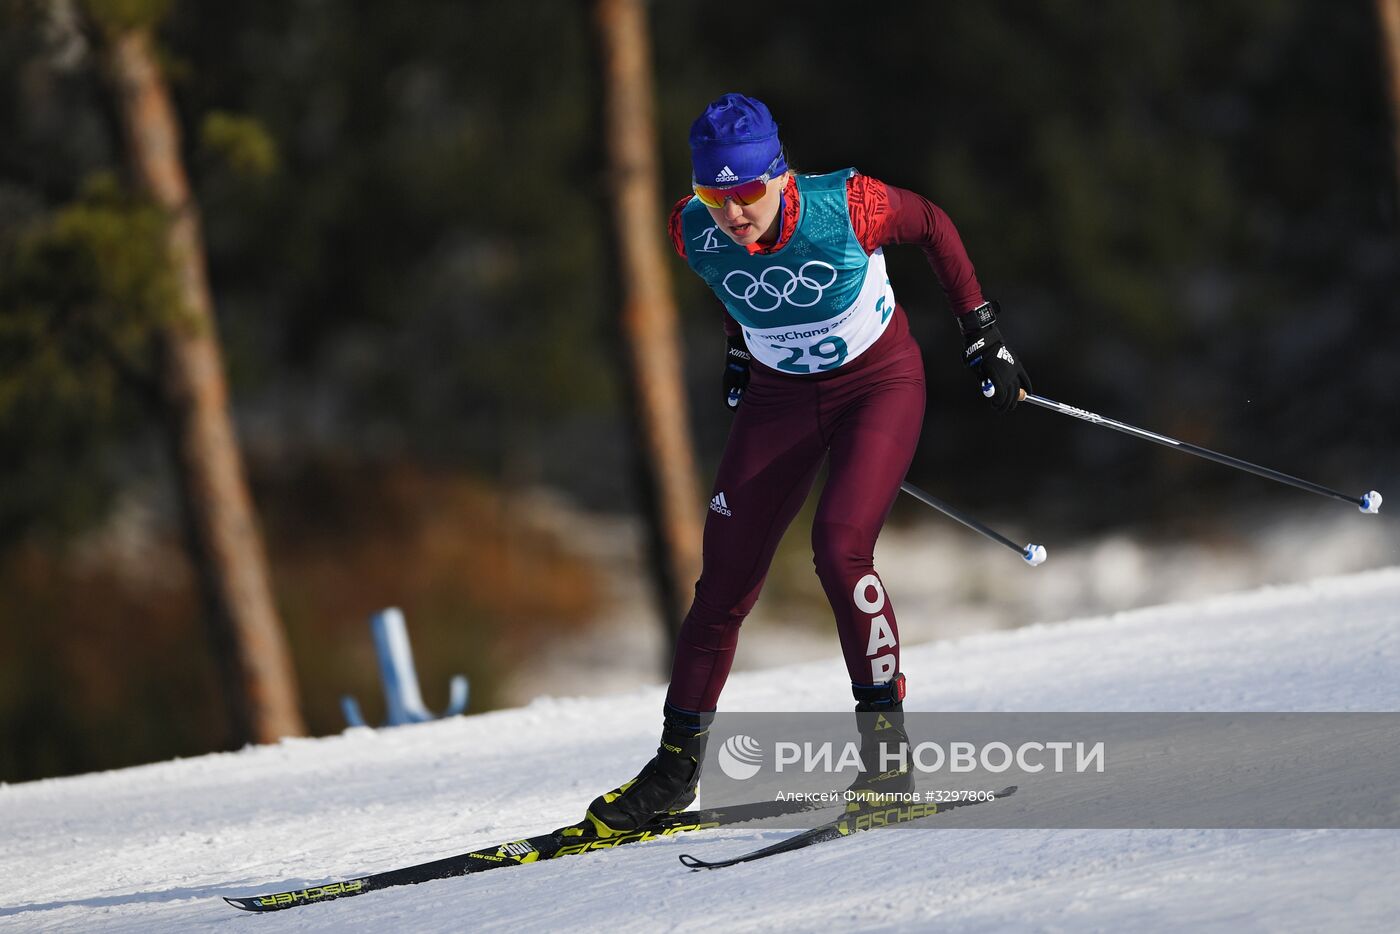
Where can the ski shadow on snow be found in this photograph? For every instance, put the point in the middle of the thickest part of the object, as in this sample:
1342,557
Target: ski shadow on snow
216,892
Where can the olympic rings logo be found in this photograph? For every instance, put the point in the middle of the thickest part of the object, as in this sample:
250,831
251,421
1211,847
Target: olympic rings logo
765,287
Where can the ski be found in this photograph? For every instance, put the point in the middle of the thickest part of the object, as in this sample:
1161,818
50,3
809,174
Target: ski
573,840
860,816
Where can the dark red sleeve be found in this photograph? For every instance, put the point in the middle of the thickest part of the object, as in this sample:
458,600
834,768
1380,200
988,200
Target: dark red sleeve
673,225
882,214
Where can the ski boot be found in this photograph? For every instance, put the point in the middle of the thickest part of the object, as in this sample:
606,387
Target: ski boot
884,745
666,785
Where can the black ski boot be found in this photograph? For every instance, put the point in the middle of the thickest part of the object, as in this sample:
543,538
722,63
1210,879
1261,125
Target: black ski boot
666,784
885,766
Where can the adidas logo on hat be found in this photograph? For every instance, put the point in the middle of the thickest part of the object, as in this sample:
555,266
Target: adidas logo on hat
726,174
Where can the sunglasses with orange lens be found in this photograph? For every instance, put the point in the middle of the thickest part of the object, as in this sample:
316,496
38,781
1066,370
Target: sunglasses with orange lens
744,193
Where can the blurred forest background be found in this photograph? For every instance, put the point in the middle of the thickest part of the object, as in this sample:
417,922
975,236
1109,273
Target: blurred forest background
1187,211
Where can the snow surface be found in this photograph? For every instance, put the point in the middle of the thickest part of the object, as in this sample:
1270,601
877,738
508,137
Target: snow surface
152,848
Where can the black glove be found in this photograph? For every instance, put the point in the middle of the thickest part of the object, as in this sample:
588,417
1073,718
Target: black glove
736,370
1003,377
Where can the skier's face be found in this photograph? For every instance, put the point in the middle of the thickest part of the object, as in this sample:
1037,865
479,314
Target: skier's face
752,223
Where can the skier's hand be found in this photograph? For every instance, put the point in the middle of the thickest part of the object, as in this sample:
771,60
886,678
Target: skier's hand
1003,377
736,370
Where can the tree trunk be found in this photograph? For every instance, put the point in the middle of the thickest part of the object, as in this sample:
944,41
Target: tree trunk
1388,15
648,311
222,529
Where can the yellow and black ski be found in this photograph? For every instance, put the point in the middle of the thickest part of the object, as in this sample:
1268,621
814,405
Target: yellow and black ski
573,840
859,816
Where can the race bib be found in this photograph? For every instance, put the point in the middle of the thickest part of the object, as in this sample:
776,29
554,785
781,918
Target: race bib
818,345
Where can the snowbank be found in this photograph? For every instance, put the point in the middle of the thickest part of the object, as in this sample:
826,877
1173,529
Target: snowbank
153,848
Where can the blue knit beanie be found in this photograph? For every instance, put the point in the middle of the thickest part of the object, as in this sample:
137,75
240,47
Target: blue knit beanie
734,140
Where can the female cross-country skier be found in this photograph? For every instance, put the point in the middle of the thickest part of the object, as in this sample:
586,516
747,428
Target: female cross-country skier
819,365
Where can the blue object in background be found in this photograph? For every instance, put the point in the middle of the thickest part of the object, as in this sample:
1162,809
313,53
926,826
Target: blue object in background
401,694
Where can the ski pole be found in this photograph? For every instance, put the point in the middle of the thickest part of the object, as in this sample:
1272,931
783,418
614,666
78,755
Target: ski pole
1367,503
1032,554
